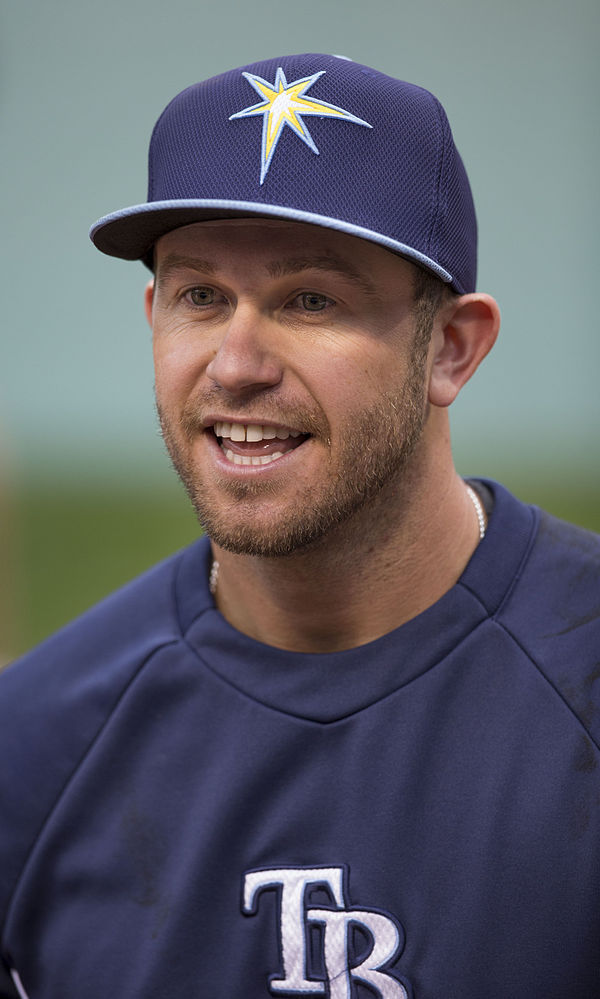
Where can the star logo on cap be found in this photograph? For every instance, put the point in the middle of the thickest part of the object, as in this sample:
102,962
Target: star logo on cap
284,104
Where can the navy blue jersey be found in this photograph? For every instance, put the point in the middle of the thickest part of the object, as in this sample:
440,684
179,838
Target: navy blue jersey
185,812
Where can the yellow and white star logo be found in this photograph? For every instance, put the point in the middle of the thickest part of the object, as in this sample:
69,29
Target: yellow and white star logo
284,103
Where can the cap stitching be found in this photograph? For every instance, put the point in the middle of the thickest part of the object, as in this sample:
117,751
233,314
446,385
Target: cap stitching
441,157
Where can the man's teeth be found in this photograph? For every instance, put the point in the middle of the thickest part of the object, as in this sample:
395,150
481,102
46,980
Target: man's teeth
252,432
244,459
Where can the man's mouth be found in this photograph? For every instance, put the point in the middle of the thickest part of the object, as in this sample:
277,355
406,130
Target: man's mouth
256,443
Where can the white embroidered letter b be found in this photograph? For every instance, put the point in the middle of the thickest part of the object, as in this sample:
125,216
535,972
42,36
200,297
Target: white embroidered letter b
386,944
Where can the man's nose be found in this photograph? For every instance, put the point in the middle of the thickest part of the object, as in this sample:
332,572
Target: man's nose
246,357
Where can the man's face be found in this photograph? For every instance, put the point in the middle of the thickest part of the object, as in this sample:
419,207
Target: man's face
290,386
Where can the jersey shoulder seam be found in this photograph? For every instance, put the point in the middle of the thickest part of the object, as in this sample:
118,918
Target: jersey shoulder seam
549,682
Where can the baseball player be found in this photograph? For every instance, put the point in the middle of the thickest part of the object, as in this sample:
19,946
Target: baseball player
346,744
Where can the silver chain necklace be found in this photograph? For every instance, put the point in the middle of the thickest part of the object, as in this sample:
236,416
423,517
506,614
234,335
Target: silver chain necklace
478,510
213,579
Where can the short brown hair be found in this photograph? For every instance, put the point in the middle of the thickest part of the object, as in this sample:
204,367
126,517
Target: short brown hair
429,294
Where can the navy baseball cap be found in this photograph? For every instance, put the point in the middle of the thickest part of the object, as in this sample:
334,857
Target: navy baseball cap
308,138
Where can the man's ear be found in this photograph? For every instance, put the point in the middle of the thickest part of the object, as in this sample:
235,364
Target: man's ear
148,299
465,332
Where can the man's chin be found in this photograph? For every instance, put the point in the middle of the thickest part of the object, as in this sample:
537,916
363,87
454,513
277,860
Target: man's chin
266,540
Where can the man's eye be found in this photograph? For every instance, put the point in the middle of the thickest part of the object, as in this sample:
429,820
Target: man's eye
201,295
312,301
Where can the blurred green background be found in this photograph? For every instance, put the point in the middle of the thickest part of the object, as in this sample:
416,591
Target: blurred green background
87,498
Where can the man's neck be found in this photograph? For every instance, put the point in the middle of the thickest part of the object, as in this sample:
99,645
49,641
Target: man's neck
372,576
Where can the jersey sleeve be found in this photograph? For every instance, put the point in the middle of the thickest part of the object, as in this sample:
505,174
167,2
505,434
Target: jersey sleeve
56,700
553,612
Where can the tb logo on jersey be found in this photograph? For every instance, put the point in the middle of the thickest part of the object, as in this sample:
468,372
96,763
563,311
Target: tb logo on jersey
327,947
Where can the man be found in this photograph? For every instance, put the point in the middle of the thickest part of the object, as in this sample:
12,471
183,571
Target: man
347,747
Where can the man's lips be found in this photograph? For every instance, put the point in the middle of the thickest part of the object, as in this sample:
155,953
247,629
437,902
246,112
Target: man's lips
255,443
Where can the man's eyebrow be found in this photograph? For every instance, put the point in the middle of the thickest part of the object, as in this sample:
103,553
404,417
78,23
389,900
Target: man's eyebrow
177,262
330,263
326,262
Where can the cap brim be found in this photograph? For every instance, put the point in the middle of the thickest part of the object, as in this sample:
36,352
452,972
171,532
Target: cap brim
132,232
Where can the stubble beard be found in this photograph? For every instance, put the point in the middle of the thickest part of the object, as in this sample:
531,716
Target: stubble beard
375,452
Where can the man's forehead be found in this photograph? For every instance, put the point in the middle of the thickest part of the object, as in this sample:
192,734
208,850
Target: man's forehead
283,246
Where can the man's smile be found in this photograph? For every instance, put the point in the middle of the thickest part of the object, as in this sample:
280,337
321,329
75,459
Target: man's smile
255,443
